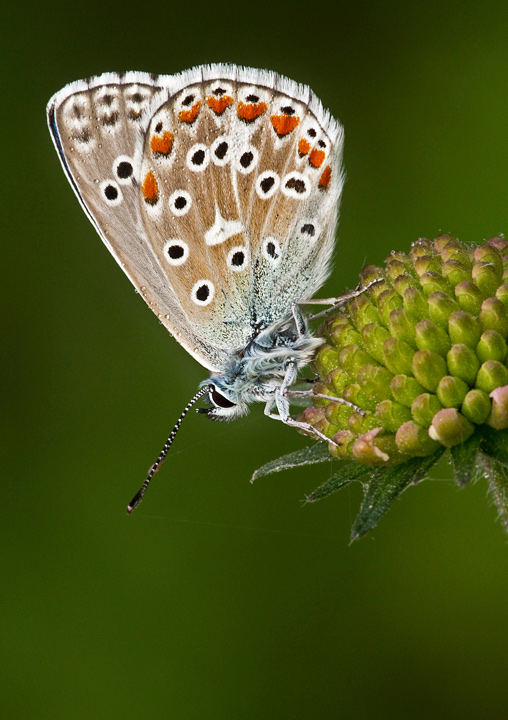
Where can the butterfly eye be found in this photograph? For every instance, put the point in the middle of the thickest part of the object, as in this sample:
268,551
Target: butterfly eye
219,400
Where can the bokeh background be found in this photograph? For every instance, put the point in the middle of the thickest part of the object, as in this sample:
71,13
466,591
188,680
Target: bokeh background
218,598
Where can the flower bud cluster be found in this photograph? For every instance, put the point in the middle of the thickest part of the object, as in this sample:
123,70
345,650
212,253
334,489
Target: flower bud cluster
421,354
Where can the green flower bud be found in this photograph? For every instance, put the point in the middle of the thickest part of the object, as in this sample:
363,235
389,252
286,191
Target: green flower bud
375,448
491,375
429,336
489,255
463,363
413,439
336,381
398,356
428,368
424,407
402,282
344,335
363,311
373,338
450,428
491,347
353,393
342,446
405,389
434,282
498,418
494,316
351,359
464,329
456,272
469,297
402,326
327,358
441,306
421,247
392,415
375,382
426,263
476,407
415,303
502,294
486,278
387,301
451,391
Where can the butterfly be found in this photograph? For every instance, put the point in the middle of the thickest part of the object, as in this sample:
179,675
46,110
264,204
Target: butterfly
217,191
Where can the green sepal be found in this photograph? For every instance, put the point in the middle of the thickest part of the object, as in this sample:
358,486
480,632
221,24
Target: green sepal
465,459
385,486
495,444
352,472
496,473
309,455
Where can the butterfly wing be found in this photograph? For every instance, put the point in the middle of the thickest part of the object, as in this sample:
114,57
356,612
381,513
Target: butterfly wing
216,190
243,168
98,128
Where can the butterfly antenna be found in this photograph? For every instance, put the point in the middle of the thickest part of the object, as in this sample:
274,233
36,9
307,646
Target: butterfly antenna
162,456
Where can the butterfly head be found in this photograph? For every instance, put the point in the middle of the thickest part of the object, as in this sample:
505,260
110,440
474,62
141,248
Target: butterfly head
224,401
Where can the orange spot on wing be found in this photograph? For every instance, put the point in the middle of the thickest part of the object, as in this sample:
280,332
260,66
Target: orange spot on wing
150,189
250,111
325,178
218,105
303,146
189,116
316,157
284,124
162,144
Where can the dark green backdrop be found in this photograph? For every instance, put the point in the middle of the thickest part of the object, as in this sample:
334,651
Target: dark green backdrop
221,599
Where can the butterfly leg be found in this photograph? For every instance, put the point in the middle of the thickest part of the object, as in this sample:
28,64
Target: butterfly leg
335,303
299,321
281,401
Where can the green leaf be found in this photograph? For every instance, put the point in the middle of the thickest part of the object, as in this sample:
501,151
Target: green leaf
306,456
386,485
350,473
465,459
495,444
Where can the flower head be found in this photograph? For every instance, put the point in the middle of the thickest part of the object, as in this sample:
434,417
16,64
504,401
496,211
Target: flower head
421,355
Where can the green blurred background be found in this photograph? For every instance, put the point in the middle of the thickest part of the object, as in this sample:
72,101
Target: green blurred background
218,598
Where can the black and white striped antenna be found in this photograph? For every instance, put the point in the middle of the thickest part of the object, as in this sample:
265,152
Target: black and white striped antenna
162,456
